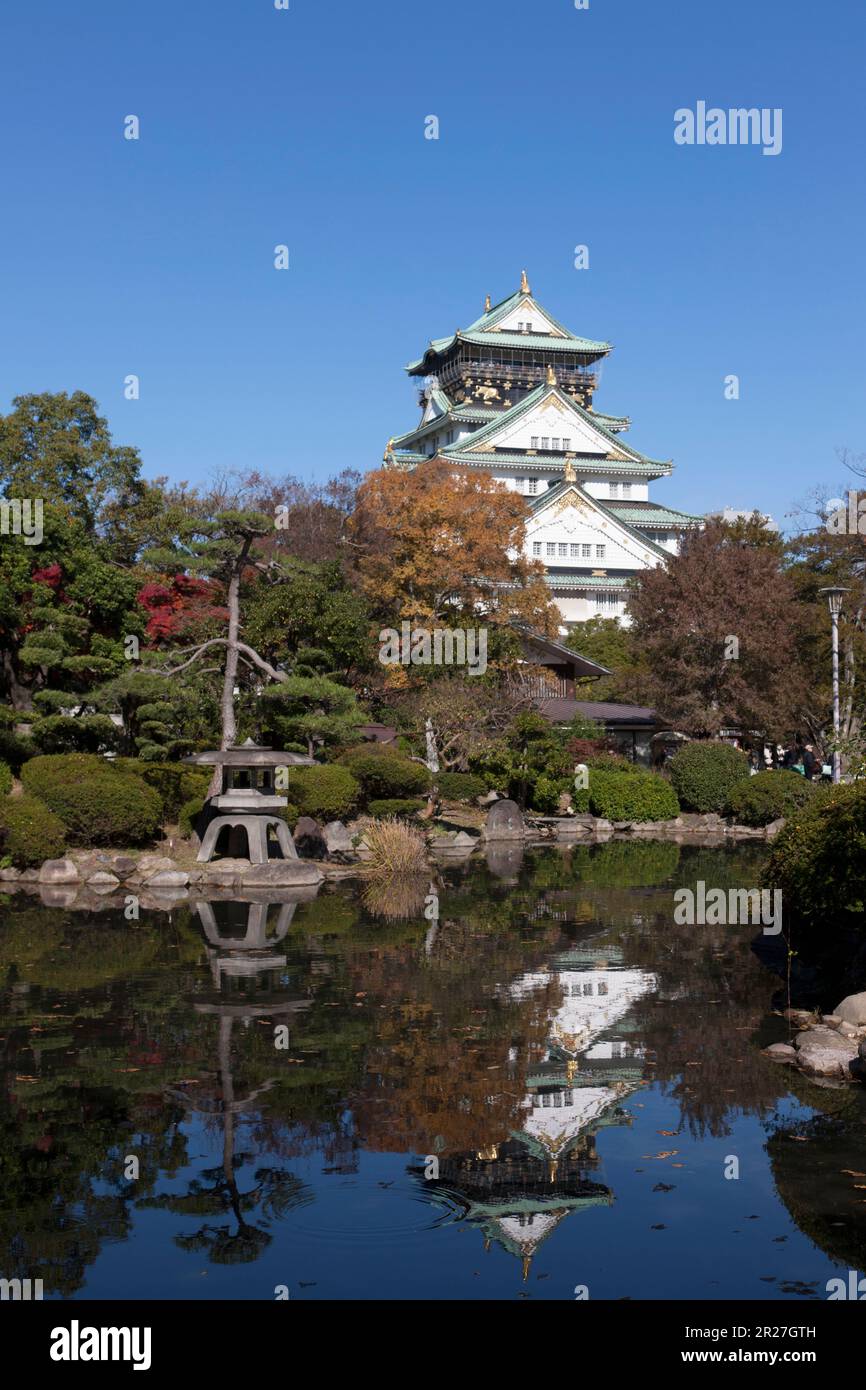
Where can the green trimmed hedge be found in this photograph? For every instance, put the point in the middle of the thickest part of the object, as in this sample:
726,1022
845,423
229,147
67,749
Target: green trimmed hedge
176,783
635,796
325,792
818,859
98,804
5,779
460,786
611,762
383,773
768,795
704,774
405,808
29,831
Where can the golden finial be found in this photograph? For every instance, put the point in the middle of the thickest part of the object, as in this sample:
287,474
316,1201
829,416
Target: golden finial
389,451
551,375
524,283
487,305
569,476
527,1261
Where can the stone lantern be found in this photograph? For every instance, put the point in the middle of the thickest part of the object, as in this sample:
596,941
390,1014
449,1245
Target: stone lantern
247,805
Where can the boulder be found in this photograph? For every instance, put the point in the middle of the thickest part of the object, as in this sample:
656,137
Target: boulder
309,840
123,865
103,882
823,1052
7,875
504,822
488,799
281,872
772,830
167,880
852,1010
59,871
781,1052
337,838
150,864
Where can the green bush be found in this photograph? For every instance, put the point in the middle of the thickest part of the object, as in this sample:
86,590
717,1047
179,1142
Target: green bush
88,733
765,797
176,783
189,814
98,803
5,779
394,806
15,750
611,762
384,773
325,792
818,859
544,794
460,786
42,774
705,774
641,796
29,831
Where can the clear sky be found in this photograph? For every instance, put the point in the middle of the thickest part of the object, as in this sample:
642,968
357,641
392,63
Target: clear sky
305,127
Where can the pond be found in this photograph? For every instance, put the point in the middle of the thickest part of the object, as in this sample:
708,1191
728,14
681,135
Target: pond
531,1084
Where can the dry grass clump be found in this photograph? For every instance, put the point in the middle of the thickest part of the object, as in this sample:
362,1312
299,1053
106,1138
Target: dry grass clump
396,850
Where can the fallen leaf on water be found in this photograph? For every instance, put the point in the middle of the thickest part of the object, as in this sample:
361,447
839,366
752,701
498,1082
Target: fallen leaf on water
852,1173
665,1153
668,1133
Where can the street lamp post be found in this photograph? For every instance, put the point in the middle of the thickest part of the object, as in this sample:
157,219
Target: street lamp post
835,593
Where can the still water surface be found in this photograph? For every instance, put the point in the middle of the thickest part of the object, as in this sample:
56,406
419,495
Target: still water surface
580,1072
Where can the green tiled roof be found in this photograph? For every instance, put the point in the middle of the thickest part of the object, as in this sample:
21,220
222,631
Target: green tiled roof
653,516
479,332
586,581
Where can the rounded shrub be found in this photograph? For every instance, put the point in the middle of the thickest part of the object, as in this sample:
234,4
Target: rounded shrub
818,859
29,831
98,803
5,779
611,762
15,750
641,796
704,774
188,815
768,796
325,792
385,773
460,786
176,783
395,806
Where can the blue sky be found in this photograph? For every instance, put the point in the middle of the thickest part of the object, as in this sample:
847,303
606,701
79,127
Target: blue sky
306,127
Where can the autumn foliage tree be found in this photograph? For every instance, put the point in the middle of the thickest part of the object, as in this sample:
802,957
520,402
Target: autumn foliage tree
437,545
718,626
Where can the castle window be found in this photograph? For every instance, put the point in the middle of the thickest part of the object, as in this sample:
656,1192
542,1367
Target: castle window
614,489
563,550
533,486
536,547
554,444
545,442
533,443
575,552
566,445
599,552
586,551
626,489
551,549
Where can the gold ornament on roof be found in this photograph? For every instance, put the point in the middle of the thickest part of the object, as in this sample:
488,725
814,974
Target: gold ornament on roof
551,375
569,475
524,283
487,305
388,455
